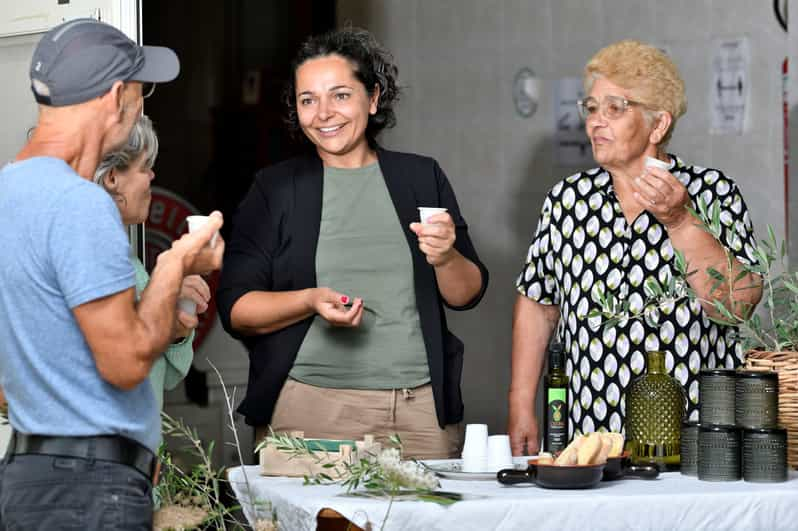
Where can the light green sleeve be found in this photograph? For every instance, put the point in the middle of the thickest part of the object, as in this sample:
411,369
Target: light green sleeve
178,357
172,367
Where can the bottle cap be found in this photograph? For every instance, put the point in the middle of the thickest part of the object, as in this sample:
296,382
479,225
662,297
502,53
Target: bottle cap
555,355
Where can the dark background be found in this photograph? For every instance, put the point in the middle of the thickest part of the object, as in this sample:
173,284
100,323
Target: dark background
212,138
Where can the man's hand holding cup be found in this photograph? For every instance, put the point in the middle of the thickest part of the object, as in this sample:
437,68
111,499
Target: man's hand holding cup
202,248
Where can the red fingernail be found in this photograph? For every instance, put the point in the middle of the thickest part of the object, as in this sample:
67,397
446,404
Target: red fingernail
344,299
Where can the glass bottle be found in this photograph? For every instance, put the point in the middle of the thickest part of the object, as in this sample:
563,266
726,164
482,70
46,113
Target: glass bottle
556,427
655,408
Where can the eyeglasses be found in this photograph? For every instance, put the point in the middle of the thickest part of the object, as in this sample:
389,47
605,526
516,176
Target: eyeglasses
611,107
147,89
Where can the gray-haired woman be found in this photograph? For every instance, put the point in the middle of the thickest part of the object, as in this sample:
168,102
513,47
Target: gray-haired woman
126,174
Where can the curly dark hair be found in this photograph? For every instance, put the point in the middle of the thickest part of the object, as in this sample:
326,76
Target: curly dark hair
372,65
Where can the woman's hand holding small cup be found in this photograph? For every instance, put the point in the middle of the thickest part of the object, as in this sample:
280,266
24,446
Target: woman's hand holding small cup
663,195
436,238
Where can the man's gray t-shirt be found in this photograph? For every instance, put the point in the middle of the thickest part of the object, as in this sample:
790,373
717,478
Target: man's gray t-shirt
62,244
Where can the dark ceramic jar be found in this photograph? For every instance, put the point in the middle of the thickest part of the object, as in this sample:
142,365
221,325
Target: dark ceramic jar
719,453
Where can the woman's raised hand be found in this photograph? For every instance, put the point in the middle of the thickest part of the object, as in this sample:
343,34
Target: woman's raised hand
663,195
436,238
336,308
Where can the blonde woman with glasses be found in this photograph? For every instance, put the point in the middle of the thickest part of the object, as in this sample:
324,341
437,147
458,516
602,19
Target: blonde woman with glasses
611,229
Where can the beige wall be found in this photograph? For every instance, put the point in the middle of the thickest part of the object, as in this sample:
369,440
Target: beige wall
458,59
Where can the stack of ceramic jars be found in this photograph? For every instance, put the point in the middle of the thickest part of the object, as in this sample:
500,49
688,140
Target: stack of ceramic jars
737,434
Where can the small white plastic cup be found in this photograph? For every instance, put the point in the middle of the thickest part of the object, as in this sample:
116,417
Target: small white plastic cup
474,463
195,222
476,440
499,453
187,305
651,161
424,213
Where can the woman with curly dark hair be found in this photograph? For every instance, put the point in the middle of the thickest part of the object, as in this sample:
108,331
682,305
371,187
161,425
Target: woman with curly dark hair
335,288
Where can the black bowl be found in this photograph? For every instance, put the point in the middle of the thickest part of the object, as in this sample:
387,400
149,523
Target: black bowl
553,476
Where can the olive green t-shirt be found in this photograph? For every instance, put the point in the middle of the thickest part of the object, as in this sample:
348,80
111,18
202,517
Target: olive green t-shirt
362,252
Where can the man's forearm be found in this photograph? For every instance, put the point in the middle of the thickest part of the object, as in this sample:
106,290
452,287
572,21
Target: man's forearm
157,306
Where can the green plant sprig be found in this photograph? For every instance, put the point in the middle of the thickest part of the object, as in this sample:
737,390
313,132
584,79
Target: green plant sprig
779,299
202,484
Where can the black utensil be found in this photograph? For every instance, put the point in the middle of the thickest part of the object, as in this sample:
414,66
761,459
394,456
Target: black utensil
621,467
553,477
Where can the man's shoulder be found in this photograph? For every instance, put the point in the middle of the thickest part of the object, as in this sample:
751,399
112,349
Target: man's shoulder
40,166
44,185
47,174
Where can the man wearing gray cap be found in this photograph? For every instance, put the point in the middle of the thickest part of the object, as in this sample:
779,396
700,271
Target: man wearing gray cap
75,347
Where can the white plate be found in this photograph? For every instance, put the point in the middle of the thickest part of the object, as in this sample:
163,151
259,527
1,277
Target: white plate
452,468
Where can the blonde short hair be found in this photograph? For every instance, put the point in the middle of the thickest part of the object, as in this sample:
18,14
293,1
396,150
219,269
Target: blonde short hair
645,71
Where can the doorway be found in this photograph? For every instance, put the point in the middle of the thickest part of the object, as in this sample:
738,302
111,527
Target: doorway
218,123
221,119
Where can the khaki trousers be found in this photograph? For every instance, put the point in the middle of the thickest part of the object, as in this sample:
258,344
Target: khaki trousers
326,413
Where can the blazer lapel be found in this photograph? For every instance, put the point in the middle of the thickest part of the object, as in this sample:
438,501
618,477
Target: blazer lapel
401,192
309,188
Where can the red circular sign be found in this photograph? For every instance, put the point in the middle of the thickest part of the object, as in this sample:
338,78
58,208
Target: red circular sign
166,223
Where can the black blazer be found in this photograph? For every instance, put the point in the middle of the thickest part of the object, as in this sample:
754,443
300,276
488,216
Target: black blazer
273,248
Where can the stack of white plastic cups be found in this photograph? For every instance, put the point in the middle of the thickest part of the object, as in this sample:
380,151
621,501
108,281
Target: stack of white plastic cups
475,448
499,454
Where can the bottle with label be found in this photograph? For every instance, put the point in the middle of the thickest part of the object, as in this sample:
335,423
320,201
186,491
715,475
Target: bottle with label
556,428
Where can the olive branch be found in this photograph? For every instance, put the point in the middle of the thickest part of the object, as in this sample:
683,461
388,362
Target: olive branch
777,331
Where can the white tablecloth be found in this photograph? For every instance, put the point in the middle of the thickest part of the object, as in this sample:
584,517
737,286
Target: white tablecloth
671,502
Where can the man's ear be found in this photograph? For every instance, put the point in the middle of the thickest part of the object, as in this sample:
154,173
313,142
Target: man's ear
117,97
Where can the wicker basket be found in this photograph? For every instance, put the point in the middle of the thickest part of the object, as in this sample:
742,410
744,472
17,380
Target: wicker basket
786,365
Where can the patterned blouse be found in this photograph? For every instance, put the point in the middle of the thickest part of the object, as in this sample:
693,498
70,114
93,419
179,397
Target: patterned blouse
582,244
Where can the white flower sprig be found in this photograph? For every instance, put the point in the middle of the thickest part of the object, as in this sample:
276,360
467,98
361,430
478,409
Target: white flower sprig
406,474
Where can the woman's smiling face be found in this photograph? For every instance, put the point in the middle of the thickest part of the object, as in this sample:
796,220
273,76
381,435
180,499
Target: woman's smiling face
333,107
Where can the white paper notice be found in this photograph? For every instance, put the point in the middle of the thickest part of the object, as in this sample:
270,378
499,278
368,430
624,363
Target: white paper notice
570,142
729,89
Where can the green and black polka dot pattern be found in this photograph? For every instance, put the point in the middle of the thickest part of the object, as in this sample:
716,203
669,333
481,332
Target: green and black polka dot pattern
584,244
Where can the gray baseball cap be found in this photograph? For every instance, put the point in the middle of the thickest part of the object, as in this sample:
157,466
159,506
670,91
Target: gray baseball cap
81,59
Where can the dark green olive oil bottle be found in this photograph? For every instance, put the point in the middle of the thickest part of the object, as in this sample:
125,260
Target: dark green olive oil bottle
556,427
